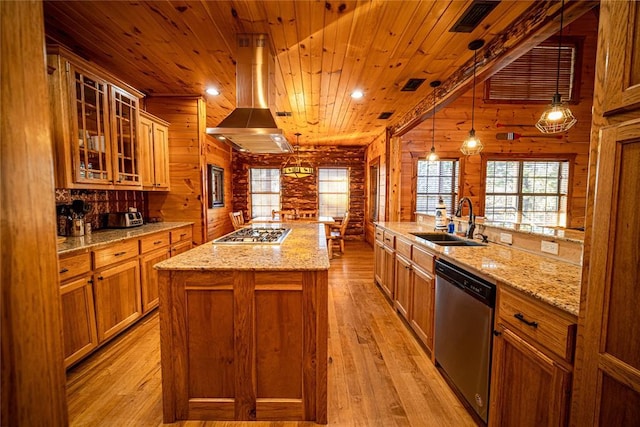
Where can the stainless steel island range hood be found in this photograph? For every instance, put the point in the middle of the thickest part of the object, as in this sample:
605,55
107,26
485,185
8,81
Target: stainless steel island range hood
251,127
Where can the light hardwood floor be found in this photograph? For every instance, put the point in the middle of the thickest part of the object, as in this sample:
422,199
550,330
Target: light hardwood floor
378,373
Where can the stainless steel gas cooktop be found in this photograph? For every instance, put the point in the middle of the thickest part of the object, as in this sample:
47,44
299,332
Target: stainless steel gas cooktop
256,235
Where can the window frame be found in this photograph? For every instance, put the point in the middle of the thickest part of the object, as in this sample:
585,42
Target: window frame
521,157
459,195
577,42
251,192
348,169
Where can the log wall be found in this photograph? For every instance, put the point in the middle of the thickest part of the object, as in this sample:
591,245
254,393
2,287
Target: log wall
302,193
454,121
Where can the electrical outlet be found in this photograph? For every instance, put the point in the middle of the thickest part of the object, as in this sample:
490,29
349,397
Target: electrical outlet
549,247
506,238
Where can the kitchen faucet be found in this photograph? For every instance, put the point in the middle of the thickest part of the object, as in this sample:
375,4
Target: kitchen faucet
472,224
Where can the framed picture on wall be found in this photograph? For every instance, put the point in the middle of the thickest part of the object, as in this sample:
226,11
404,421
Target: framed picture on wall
215,176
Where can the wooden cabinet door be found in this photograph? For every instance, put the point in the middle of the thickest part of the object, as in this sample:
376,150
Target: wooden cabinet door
161,156
78,319
179,248
608,384
620,20
379,262
117,298
124,122
149,278
388,280
528,389
145,134
421,319
402,297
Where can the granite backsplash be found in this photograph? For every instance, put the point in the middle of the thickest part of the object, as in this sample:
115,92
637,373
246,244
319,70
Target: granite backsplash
103,202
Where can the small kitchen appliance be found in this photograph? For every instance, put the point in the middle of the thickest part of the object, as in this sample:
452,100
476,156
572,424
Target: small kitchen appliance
124,219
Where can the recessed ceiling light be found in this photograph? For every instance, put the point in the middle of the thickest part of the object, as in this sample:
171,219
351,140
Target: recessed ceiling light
221,138
357,94
213,91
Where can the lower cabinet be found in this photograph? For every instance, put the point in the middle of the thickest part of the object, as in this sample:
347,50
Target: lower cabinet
528,387
179,248
389,268
78,319
422,306
117,298
149,278
378,250
403,285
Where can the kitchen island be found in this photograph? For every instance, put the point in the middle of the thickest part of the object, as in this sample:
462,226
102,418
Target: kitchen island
244,329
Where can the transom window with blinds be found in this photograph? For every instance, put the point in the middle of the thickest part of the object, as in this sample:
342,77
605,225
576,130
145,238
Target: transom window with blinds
532,77
527,192
434,180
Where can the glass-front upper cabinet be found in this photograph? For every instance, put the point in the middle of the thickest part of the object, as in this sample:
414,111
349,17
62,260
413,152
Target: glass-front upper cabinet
92,151
125,135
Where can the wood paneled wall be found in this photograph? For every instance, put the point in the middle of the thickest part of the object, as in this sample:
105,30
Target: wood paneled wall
302,193
454,121
219,154
376,154
32,369
187,199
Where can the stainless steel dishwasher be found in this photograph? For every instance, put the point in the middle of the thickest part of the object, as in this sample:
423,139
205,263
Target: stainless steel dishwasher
463,327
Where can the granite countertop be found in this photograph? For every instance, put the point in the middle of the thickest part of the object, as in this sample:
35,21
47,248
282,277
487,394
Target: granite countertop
304,248
554,282
106,236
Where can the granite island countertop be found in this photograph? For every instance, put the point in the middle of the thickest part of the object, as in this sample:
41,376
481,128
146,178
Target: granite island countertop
304,248
552,281
105,237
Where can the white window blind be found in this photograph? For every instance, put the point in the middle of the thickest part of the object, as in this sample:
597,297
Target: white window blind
434,180
527,192
532,77
265,191
333,191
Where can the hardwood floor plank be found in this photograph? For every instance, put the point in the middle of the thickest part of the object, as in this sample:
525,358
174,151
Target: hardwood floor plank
378,374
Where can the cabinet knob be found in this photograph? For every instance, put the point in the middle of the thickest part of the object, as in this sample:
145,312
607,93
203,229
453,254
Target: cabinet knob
100,278
496,333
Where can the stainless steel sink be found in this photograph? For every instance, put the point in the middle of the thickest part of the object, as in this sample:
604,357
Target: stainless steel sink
444,239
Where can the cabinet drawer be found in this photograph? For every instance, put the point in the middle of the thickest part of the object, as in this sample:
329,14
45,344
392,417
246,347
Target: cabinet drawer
181,234
379,234
74,265
154,241
423,259
544,324
115,253
389,239
403,248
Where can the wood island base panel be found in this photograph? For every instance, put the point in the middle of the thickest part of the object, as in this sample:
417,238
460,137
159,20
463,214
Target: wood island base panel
245,344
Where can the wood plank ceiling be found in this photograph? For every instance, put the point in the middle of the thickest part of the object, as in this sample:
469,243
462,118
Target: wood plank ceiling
323,51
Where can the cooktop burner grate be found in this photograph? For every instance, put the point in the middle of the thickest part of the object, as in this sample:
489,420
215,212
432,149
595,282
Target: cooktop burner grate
257,235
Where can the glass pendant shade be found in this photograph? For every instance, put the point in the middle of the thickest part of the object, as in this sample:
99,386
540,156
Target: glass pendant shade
293,166
557,118
433,156
472,144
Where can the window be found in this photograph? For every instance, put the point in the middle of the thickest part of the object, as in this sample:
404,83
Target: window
437,179
527,192
333,191
532,77
265,191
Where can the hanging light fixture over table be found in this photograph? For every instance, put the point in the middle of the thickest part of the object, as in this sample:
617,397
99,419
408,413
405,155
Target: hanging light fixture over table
557,118
472,144
433,156
294,168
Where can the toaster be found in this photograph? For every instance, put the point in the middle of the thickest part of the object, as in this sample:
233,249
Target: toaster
124,219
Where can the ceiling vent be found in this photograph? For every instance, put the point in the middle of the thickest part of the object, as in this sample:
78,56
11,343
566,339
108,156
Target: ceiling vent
472,17
385,115
412,85
283,113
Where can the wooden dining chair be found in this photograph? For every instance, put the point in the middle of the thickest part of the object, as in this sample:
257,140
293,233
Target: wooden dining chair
284,214
307,214
237,219
337,233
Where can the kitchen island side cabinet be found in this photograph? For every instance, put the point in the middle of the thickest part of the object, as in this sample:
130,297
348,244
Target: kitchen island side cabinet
532,363
154,153
95,125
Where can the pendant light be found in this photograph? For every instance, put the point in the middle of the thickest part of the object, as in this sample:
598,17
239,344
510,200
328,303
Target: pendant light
433,156
557,118
295,169
472,144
